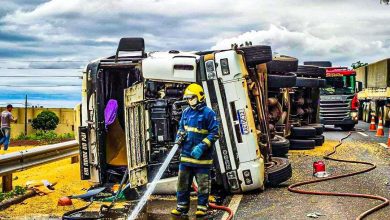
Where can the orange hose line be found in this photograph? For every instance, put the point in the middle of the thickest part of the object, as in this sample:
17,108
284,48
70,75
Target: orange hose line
325,193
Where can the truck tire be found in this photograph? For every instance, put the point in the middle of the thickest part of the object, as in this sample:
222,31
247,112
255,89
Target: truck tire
313,71
257,54
319,128
347,127
303,132
282,81
297,144
307,82
280,146
318,63
278,171
318,139
282,64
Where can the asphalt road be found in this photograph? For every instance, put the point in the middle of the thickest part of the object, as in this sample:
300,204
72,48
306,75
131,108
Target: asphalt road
279,203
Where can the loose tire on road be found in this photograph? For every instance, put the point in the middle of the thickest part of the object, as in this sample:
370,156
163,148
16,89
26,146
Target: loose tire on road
307,82
282,64
280,146
278,171
319,140
257,54
297,144
319,128
303,132
282,81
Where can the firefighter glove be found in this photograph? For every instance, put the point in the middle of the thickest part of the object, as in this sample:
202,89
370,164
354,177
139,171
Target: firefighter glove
197,152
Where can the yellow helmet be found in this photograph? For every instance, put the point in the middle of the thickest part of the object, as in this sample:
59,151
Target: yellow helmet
194,89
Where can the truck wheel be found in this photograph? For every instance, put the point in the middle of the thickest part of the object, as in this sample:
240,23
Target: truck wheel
319,140
278,171
280,146
308,70
347,127
303,132
364,112
296,144
282,81
385,116
319,128
282,64
257,54
307,82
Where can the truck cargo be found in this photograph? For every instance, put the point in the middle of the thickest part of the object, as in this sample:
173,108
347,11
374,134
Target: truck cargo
374,93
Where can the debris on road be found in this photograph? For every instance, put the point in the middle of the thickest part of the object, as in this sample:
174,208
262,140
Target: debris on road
315,215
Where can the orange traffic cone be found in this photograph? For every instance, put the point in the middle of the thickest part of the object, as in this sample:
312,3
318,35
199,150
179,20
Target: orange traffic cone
380,132
388,141
372,125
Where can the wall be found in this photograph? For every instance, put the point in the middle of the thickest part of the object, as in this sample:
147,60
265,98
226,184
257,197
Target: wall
66,123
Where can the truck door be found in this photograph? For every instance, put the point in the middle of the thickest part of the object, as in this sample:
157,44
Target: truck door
136,135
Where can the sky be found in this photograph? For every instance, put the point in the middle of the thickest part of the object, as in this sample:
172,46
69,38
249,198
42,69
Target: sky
41,38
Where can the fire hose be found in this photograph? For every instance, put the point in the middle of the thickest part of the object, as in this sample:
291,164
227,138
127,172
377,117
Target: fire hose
292,188
215,206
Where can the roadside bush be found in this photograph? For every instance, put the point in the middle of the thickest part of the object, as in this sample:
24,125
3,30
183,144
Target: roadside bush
19,190
45,121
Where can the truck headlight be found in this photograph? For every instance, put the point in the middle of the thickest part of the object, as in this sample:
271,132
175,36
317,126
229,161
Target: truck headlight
247,177
225,66
210,70
354,116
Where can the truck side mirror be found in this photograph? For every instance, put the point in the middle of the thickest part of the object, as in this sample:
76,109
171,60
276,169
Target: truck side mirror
359,86
131,44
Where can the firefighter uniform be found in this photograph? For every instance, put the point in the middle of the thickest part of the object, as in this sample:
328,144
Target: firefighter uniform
200,124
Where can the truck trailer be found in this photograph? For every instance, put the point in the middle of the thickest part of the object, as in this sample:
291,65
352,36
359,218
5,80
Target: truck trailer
374,90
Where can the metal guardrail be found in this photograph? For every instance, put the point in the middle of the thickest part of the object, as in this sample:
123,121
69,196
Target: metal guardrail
22,160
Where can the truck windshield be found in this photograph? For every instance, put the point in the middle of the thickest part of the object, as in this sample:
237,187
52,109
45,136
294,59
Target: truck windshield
341,85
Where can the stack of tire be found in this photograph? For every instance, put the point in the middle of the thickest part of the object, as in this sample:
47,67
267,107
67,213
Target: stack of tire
308,136
281,75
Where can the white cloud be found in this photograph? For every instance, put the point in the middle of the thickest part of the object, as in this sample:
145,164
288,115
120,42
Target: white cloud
340,31
306,46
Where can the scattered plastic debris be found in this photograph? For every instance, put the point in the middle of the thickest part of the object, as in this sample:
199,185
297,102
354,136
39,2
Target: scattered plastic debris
314,215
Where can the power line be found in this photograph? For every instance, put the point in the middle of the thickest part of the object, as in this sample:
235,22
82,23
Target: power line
40,85
51,76
47,61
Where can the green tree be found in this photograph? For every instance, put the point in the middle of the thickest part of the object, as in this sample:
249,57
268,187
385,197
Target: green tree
358,64
45,121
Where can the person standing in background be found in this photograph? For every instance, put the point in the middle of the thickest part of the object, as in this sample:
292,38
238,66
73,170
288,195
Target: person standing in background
6,119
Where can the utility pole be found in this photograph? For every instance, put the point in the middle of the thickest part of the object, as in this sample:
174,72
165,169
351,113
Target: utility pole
25,117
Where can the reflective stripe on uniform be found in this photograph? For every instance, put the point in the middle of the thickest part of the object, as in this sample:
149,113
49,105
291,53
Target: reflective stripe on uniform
202,207
182,206
206,141
195,161
196,130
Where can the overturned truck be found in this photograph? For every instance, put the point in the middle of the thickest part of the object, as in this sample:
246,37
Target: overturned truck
132,103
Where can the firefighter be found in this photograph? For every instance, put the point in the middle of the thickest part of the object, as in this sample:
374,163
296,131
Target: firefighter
200,125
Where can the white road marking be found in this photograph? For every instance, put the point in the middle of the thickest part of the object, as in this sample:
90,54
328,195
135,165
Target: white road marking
233,205
361,133
383,145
